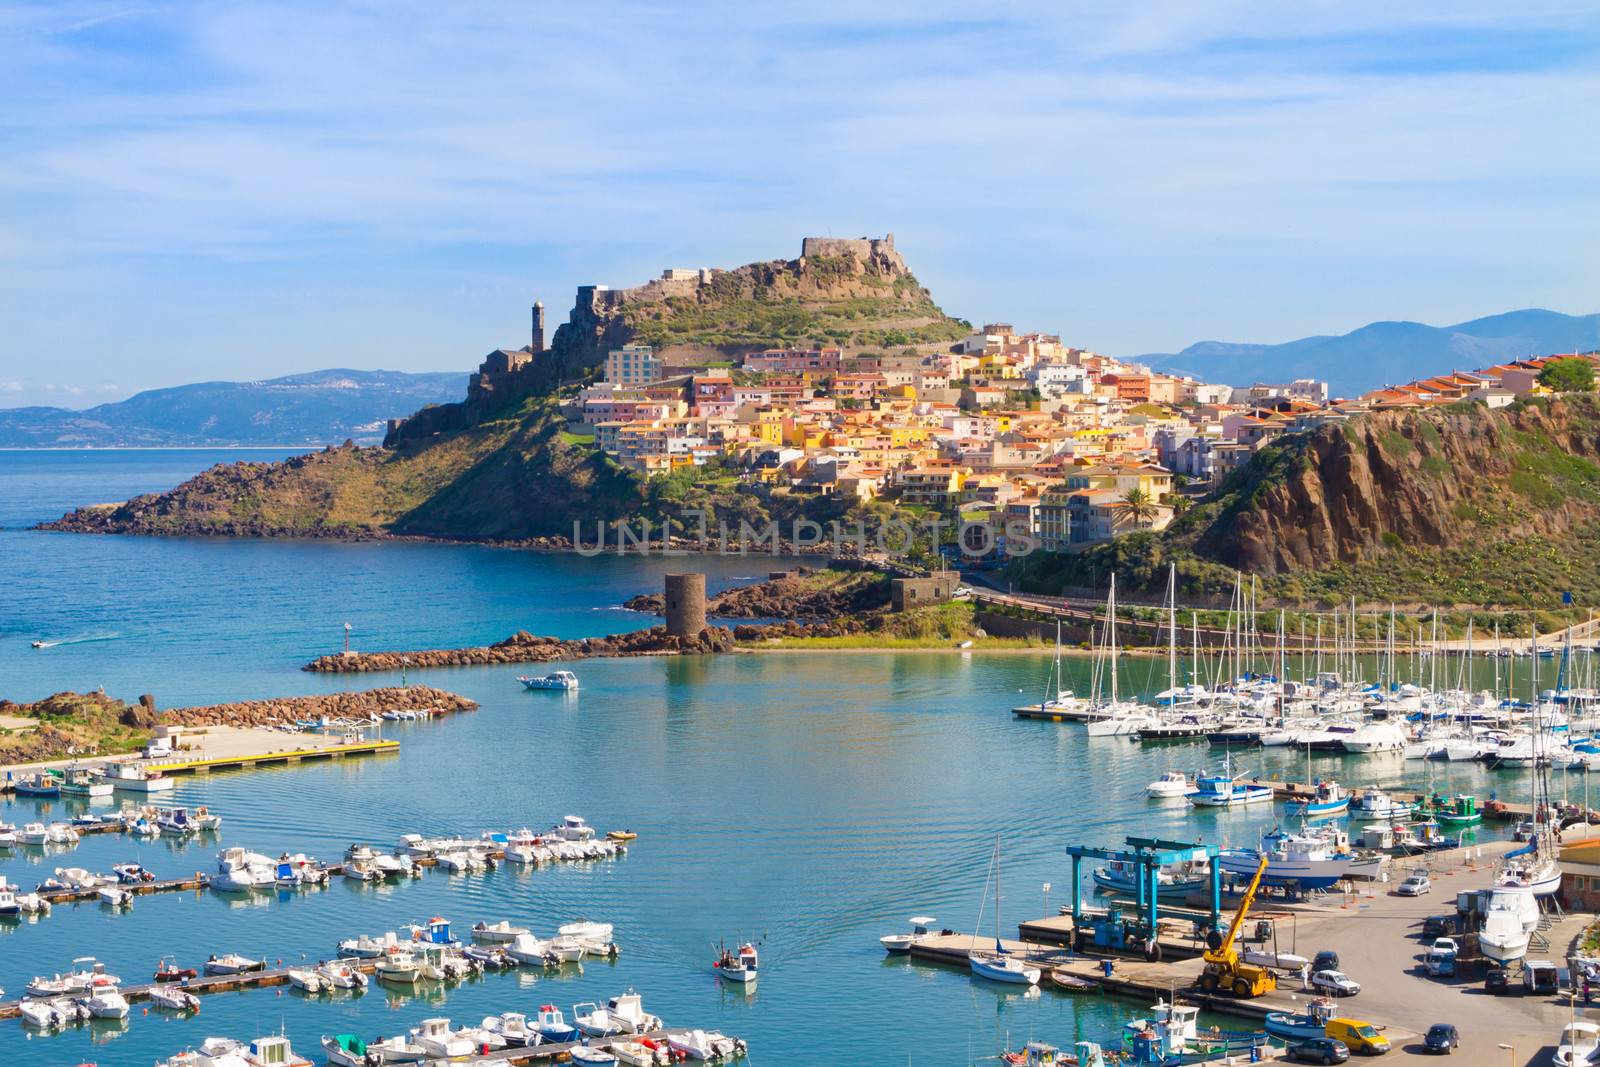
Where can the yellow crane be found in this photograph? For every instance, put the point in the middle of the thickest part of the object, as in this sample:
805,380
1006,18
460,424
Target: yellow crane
1224,970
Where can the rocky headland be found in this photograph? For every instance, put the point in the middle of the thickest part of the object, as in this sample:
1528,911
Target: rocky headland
523,647
804,593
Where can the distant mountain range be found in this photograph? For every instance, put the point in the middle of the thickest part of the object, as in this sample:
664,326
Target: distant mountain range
1387,353
317,408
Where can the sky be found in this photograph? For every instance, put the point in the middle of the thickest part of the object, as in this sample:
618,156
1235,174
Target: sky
237,190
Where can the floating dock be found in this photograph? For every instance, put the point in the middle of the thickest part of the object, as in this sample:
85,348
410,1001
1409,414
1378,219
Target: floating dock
138,889
372,747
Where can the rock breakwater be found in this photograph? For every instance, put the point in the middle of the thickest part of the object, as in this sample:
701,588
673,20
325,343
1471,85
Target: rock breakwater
278,711
523,647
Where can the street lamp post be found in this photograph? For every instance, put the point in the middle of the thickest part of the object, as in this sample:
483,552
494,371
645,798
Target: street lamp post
1512,1050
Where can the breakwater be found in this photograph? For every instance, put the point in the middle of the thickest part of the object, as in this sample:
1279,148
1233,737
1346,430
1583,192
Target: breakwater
278,711
523,647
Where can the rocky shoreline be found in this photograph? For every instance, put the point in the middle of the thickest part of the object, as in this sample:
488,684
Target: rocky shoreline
523,647
280,711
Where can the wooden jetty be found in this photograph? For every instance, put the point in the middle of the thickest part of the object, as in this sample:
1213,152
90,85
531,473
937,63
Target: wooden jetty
138,889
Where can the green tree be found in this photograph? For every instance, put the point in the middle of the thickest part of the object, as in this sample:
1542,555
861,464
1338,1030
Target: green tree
1574,375
1138,505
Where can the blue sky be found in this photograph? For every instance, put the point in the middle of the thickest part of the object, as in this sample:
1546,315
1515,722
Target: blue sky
234,190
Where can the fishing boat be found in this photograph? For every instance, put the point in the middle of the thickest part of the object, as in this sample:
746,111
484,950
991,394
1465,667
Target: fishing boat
398,965
345,1050
1302,1026
592,1057
900,944
1174,785
232,963
1121,876
82,782
1226,791
739,967
1299,860
1374,803
999,965
131,873
1328,798
499,933
36,785
1460,810
173,998
562,680
133,778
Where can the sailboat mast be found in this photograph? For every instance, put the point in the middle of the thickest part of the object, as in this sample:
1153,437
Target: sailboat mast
1172,635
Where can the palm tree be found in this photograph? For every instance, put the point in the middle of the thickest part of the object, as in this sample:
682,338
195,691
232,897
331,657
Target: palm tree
1137,505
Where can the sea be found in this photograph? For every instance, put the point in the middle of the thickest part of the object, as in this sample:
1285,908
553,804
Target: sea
809,802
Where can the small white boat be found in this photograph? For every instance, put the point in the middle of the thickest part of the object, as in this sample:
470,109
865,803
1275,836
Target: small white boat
623,1014
592,1057
525,948
88,973
568,949
512,1027
562,680
395,866
586,931
340,975
273,1051
105,1002
900,944
308,980
173,998
115,897
397,1049
345,1050
574,828
133,778
703,1044
34,833
634,1053
499,933
439,1042
46,1014
399,966
60,833
232,963
361,871
367,948
1174,785
1579,1045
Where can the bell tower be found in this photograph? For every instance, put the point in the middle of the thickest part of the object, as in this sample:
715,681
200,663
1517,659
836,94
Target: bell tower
538,327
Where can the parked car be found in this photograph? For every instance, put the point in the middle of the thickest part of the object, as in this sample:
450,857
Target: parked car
1415,885
1441,1038
1442,957
1319,1050
1438,925
1497,981
1326,960
1335,983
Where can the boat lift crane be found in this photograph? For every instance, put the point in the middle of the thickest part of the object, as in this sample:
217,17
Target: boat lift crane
1224,970
1147,855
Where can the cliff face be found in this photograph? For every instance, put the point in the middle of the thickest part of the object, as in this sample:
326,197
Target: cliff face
1436,479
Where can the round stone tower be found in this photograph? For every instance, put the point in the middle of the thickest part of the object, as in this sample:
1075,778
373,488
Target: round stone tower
686,604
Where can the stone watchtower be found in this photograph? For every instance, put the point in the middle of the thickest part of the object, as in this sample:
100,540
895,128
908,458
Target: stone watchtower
538,327
686,604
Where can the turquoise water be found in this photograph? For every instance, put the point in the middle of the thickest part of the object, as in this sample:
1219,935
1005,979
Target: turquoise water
811,800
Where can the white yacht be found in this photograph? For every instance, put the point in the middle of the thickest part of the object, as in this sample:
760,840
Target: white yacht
240,870
1174,785
1375,737
1509,920
561,680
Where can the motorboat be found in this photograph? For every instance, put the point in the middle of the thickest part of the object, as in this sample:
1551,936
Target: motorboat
273,1051
702,1044
48,1014
76,878
574,828
586,931
87,973
592,1057
499,933
397,1049
1379,736
360,871
398,965
552,1026
134,778
1299,860
340,975
115,896
169,971
635,1053
622,1014
738,967
105,1002
1174,785
900,944
525,948
1579,1044
565,681
525,847
436,931
60,833
1509,920
365,947
439,1042
307,980
173,998
131,874
232,963
1178,880
33,833
345,1050
568,949
512,1027
489,958
8,835
240,871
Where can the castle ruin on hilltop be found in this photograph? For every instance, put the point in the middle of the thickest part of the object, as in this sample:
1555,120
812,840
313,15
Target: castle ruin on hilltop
595,325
